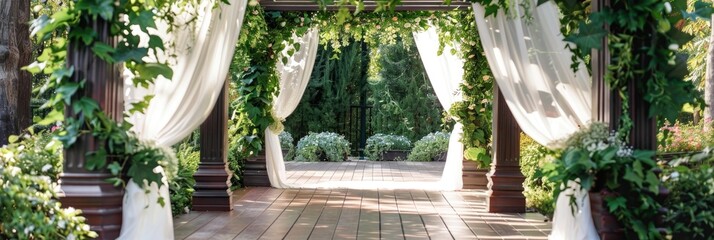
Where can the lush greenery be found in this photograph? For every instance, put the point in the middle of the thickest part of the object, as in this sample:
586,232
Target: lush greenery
29,170
379,143
181,187
598,159
85,116
538,190
287,143
335,85
324,146
686,137
403,100
691,184
430,147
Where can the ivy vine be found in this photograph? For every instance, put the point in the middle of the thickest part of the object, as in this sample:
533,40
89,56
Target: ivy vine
81,115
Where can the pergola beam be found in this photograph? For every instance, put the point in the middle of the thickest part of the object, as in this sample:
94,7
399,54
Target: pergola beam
405,5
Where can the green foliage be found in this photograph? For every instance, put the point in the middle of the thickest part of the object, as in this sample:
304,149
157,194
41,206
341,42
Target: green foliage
287,143
691,184
538,189
379,143
685,137
429,147
325,146
78,20
332,89
650,23
181,187
29,208
403,100
597,159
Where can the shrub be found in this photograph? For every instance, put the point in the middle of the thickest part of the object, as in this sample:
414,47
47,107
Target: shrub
538,190
28,199
325,146
429,146
181,186
685,137
691,184
286,143
381,143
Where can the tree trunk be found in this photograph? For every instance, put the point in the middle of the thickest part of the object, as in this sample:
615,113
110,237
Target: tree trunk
15,84
709,79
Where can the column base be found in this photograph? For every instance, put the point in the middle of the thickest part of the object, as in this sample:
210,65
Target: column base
100,202
212,188
505,194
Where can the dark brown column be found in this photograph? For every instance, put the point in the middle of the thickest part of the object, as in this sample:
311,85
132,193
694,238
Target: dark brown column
505,193
100,202
212,178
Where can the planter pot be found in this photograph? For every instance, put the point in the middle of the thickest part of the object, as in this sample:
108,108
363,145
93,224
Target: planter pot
440,158
606,224
255,173
473,176
285,154
394,155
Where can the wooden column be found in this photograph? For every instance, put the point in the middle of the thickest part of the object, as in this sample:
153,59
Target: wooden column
100,202
505,188
212,177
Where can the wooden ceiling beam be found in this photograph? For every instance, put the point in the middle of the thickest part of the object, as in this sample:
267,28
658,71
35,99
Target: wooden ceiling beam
406,5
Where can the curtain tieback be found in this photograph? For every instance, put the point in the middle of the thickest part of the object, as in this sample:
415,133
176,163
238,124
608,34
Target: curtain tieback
277,126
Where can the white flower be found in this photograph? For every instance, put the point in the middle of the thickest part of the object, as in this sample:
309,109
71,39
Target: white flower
673,47
282,24
46,167
71,236
252,3
61,224
406,25
667,7
674,175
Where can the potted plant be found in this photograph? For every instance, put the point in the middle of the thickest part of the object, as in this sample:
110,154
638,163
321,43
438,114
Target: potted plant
432,147
476,165
325,146
387,147
622,182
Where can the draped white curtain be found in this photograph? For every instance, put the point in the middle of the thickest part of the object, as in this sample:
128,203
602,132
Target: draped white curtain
532,68
294,76
203,54
445,73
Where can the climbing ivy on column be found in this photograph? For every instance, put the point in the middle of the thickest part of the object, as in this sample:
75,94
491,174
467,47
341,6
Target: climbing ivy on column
86,117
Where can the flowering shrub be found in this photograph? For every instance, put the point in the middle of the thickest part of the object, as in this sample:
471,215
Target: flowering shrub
286,143
28,193
429,147
684,137
380,143
325,146
600,160
690,181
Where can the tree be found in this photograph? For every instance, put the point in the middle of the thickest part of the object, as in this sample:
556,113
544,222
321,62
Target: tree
15,52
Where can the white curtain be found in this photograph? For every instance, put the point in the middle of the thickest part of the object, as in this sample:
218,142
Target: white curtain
294,76
203,53
527,56
445,73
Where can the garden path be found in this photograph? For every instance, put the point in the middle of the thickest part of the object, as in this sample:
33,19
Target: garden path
379,213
